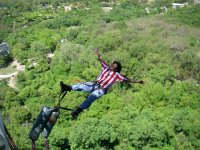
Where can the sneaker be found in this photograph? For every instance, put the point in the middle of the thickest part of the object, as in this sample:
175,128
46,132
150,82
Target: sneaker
64,87
76,112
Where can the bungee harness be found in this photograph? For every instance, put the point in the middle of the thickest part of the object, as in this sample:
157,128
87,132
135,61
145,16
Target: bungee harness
46,121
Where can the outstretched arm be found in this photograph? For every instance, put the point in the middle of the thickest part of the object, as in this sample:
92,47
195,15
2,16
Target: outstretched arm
125,79
98,55
135,81
103,63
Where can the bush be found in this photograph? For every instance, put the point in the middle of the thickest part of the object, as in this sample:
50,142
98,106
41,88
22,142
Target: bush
5,60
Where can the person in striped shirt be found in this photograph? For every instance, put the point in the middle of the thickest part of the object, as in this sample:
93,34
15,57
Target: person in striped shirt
109,75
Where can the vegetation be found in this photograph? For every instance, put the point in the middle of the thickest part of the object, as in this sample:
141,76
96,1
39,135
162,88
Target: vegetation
5,60
161,49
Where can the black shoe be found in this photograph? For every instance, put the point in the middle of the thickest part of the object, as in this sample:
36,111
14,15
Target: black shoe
64,87
76,112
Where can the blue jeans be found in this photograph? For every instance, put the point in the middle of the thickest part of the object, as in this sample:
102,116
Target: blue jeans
90,87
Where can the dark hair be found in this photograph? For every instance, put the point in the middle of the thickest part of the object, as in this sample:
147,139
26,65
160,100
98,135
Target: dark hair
119,66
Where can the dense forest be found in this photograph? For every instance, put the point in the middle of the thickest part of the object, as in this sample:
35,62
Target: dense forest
160,46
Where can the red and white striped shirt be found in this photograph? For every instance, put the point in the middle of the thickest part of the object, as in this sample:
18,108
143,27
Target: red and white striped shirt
108,77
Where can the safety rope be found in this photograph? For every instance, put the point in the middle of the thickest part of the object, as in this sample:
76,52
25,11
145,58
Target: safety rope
61,96
10,140
64,108
33,145
46,143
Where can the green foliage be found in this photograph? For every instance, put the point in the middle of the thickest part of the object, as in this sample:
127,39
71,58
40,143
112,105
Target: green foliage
95,134
4,32
5,60
189,15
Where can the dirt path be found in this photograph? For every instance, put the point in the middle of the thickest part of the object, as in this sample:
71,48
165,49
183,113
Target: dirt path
12,76
19,67
12,82
7,75
50,55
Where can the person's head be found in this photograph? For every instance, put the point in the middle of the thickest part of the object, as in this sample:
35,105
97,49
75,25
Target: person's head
116,66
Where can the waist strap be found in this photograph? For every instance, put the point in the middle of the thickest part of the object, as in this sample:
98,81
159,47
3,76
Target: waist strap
98,86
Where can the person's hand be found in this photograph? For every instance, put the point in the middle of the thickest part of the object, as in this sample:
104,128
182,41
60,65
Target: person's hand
141,82
97,51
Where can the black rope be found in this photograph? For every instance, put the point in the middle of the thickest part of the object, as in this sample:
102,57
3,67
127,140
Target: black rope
64,108
33,145
46,143
10,140
61,97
